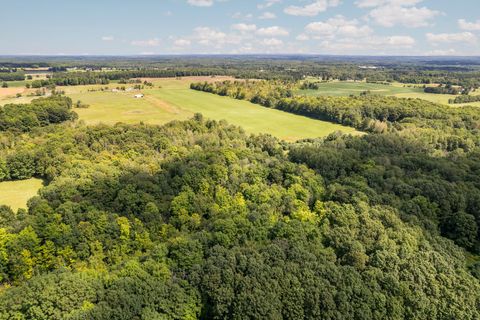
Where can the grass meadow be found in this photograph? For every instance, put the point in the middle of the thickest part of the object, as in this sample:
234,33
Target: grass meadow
172,99
15,194
346,88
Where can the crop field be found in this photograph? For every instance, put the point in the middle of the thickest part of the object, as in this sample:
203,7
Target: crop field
16,193
172,99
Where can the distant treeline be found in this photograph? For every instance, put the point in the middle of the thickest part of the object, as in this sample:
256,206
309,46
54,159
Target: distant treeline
85,78
464,73
448,89
12,76
19,65
465,79
465,99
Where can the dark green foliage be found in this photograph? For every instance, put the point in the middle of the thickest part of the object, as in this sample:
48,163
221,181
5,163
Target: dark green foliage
39,113
443,193
448,89
12,76
465,99
196,220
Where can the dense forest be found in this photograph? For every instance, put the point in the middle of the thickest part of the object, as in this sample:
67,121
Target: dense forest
196,219
39,113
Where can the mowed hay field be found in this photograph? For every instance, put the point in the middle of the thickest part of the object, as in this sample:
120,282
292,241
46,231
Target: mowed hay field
15,194
172,99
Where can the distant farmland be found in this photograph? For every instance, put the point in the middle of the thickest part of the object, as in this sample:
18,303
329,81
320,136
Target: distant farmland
346,88
171,99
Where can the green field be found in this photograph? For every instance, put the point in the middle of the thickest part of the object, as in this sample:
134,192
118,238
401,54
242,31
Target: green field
16,84
173,100
346,88
16,193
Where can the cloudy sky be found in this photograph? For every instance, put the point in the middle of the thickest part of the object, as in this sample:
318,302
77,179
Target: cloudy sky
347,27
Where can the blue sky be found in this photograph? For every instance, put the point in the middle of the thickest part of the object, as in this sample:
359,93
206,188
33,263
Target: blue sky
349,27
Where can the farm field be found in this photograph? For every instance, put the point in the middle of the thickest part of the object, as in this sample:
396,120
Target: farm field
16,193
346,88
8,95
172,99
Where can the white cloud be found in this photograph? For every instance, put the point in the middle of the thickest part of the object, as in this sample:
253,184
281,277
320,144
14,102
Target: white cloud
412,17
268,4
404,41
200,3
108,38
339,35
466,37
243,27
209,36
448,52
377,3
302,37
389,13
267,15
274,31
182,43
311,9
393,45
337,26
146,43
272,42
239,15
368,3
470,26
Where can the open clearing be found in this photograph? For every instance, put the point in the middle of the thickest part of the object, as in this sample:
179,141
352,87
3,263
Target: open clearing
15,194
7,92
172,99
